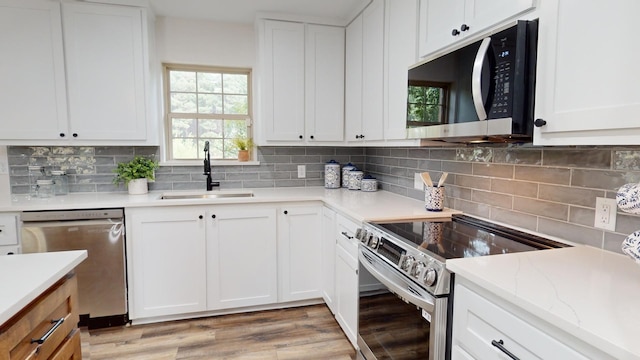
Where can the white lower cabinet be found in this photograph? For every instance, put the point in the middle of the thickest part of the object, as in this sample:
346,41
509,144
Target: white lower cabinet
241,257
166,260
329,258
486,327
299,252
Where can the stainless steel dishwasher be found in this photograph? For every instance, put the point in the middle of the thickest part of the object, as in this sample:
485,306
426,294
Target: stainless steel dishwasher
102,288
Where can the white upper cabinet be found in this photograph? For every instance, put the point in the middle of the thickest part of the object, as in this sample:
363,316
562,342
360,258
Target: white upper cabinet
302,82
365,80
401,23
105,71
444,22
33,100
76,74
587,76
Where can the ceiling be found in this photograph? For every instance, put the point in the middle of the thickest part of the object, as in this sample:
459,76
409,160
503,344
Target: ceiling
244,11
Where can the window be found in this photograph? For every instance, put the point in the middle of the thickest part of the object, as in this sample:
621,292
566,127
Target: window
427,103
206,104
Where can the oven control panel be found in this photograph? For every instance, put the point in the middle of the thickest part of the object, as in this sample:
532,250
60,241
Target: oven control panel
426,271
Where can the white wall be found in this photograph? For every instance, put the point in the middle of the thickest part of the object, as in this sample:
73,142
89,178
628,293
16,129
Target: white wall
201,42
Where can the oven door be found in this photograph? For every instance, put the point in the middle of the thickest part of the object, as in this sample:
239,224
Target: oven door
401,321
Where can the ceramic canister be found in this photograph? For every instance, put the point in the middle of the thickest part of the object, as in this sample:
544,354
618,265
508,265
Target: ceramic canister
434,198
355,179
345,174
332,175
369,183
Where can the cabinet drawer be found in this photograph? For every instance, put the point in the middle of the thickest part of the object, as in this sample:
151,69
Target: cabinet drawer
345,235
478,324
38,319
71,348
8,230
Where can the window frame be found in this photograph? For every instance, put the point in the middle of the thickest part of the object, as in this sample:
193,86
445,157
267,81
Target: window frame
168,115
444,106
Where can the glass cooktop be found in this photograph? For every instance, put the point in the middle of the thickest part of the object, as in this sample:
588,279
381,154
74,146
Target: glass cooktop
464,236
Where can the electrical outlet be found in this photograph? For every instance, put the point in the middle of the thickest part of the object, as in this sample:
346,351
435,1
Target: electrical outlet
302,171
606,210
417,182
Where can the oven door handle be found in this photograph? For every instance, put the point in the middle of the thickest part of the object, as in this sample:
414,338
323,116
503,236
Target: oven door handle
406,295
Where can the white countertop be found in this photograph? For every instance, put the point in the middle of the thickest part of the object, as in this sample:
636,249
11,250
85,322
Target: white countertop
24,277
359,205
590,293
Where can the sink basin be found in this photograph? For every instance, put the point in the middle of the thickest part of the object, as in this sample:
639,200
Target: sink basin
217,194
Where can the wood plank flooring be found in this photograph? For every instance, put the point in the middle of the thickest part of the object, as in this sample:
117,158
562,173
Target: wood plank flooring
309,332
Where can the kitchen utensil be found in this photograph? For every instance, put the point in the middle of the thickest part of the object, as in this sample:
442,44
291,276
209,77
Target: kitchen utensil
434,198
443,177
426,179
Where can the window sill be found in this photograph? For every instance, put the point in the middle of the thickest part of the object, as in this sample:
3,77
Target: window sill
213,163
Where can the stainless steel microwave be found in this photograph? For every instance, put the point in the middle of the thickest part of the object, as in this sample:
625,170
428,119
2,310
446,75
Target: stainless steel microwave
482,92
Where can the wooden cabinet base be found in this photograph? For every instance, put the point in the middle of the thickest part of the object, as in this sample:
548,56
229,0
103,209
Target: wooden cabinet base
46,326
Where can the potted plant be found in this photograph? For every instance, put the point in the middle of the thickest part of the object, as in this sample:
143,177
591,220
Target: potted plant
244,146
135,174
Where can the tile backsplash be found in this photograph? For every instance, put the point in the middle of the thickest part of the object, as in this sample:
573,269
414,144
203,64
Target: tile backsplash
551,190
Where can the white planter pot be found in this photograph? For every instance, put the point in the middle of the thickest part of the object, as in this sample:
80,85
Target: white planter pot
138,187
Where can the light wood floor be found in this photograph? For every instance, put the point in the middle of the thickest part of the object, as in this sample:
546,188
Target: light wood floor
298,333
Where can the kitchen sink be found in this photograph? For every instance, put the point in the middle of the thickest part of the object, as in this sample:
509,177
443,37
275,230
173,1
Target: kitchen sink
216,194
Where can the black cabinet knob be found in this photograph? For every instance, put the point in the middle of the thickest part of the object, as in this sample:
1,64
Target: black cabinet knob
213,216
286,212
455,32
301,137
200,217
464,27
61,134
539,123
311,137
75,135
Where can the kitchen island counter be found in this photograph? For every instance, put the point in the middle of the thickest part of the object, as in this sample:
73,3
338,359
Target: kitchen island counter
24,277
587,292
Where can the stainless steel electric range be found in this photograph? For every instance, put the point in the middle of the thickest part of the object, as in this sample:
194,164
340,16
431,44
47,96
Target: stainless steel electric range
406,316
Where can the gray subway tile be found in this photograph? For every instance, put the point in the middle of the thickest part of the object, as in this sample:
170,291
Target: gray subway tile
613,242
474,182
517,156
571,232
515,187
457,167
493,170
514,218
626,160
473,208
569,195
603,179
540,174
581,216
541,208
442,154
582,158
490,198
475,154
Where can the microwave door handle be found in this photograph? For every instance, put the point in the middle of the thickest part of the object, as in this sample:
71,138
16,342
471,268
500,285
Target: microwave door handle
476,78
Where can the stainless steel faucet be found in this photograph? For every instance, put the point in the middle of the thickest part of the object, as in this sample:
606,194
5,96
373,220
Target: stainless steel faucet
207,168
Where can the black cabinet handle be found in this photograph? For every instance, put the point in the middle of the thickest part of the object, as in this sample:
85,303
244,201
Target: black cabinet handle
500,345
464,27
344,233
213,216
540,122
200,217
56,325
455,32
286,212
61,134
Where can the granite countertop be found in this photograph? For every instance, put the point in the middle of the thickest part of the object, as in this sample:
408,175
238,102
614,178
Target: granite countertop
29,275
359,205
590,293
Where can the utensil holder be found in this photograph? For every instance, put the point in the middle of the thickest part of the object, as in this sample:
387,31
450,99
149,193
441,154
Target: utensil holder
434,198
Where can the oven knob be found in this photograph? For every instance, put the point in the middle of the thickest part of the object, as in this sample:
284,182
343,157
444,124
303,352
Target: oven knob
373,243
407,263
418,269
430,277
363,237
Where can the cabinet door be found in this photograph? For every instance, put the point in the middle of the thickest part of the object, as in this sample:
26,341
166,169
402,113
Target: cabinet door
372,71
329,257
353,80
347,293
33,102
283,81
482,14
166,261
324,83
586,88
241,257
300,252
105,71
438,19
400,53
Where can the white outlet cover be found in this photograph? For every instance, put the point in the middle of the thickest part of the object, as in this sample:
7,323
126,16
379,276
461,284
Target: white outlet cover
302,171
606,210
417,182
